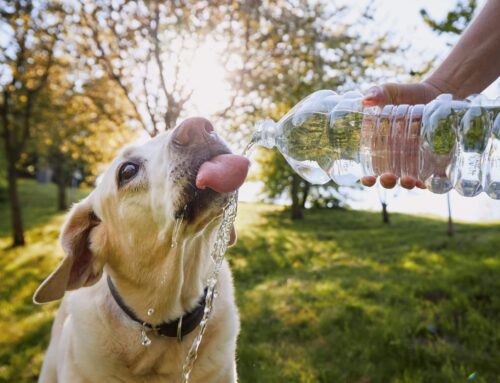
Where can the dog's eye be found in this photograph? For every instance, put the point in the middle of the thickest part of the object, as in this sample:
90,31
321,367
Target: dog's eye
127,171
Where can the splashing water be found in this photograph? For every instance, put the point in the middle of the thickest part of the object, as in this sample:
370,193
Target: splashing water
217,254
177,227
472,376
251,146
145,340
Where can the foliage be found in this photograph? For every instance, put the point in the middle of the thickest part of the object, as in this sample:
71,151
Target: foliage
455,23
456,20
290,50
145,48
80,129
31,32
25,327
443,137
340,298
336,298
3,173
475,129
25,60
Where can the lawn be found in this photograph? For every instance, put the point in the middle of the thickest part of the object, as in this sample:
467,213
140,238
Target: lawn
338,297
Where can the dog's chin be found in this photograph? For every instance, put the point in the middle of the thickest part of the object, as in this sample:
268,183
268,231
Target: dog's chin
200,205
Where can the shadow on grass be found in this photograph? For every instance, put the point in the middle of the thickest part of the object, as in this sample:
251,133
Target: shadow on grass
25,327
340,297
21,360
38,203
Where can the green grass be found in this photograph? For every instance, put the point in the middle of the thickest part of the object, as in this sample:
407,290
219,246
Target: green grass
25,327
338,297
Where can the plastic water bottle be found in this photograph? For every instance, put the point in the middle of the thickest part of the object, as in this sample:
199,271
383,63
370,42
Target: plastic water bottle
446,144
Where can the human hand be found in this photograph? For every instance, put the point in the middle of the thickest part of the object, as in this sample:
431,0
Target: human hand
397,94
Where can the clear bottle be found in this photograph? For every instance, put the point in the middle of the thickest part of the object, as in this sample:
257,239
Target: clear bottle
447,143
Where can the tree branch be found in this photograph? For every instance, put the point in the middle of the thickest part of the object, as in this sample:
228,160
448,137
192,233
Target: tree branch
115,77
156,43
146,94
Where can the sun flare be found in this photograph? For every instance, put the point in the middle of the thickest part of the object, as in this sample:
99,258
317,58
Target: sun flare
206,76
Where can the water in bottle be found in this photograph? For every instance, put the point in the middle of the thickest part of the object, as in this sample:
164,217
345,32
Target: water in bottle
446,144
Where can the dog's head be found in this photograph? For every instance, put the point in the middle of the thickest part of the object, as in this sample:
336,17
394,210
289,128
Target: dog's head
186,175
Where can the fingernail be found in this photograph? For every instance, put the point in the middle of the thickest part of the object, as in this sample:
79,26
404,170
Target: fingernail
373,92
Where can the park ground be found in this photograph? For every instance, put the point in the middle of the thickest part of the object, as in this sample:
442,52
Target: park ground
339,297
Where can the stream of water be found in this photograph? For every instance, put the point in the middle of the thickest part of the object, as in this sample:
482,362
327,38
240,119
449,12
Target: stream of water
218,251
217,255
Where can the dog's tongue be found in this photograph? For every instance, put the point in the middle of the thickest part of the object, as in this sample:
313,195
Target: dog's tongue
223,173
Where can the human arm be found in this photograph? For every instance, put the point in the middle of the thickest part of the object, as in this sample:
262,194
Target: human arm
472,64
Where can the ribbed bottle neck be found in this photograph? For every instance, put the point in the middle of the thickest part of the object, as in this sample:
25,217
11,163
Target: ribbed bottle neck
267,133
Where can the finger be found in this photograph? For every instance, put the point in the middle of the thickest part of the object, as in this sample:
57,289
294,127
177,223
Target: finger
407,182
420,184
388,180
369,180
374,96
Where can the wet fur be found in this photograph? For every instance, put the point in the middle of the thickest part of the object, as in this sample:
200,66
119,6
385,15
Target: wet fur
127,234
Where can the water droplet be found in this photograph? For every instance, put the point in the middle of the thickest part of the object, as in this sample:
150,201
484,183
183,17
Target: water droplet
145,340
217,254
472,376
151,312
250,146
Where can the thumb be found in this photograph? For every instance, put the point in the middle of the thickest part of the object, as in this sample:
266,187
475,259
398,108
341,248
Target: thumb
381,95
396,94
374,96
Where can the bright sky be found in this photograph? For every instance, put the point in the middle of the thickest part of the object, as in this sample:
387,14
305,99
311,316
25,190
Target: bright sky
403,17
211,90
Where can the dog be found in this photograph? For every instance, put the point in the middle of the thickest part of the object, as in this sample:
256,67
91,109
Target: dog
127,263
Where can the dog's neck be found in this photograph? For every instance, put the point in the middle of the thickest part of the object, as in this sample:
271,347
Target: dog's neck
169,280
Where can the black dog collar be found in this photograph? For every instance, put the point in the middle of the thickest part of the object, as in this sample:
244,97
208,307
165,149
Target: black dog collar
174,329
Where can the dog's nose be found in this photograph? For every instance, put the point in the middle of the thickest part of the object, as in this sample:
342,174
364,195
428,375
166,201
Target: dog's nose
192,131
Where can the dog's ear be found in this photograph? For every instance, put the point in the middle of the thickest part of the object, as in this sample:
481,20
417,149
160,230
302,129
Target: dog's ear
232,237
79,267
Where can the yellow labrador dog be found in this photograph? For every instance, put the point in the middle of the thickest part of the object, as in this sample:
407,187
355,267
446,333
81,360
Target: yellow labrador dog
123,271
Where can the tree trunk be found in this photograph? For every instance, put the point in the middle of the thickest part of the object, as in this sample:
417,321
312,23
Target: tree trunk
305,193
15,206
297,212
451,229
61,183
62,204
385,214
11,158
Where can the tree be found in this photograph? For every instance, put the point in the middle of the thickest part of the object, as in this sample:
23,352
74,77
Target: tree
288,50
145,47
71,125
455,22
383,200
3,175
25,62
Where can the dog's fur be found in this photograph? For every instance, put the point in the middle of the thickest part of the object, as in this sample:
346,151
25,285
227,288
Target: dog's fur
126,232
